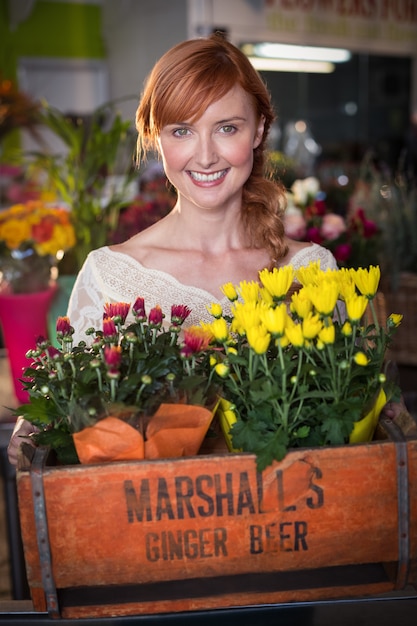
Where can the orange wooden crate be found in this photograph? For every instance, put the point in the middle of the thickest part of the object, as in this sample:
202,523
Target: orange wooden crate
207,532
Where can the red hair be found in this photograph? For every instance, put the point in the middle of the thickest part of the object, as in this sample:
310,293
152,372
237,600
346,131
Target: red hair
183,83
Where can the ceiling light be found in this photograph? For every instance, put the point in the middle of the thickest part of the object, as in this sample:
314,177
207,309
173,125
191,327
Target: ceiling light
291,65
304,53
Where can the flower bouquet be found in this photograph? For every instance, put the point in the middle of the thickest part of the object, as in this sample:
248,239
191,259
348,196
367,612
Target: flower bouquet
32,234
353,240
301,373
133,391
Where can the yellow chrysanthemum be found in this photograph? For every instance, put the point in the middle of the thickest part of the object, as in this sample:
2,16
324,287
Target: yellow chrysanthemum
230,292
311,326
258,339
327,335
347,329
282,341
294,334
395,320
361,359
266,297
324,297
367,280
275,319
308,274
249,291
278,281
347,285
215,309
355,307
221,370
220,330
301,304
245,315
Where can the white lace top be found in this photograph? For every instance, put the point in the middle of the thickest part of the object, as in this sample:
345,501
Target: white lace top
109,276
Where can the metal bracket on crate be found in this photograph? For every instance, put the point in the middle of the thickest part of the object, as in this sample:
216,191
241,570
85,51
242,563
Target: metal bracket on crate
41,523
397,436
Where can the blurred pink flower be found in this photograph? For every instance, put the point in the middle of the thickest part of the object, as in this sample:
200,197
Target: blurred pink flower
342,252
295,225
332,226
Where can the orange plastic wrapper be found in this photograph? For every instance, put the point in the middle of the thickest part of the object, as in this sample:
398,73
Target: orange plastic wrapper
175,430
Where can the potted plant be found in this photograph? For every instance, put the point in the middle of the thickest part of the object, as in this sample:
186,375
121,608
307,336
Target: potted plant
91,175
133,390
299,373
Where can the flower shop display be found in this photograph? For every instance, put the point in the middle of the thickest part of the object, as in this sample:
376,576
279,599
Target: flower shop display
31,236
353,239
207,531
132,392
96,150
302,373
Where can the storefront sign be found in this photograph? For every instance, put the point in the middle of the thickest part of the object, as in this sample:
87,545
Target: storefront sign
380,26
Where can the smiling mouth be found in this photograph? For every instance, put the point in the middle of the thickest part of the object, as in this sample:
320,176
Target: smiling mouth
207,178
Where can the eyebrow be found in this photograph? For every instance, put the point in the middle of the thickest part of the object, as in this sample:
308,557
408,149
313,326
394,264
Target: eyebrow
227,120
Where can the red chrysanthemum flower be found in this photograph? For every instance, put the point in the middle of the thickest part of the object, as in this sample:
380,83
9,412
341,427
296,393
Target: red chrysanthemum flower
63,327
155,317
195,340
113,357
138,309
117,310
179,313
109,328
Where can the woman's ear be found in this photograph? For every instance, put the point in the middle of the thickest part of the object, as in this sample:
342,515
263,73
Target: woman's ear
259,132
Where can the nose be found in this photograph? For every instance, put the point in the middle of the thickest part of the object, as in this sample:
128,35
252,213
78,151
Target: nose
206,151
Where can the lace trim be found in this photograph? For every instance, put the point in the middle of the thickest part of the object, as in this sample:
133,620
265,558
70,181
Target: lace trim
109,276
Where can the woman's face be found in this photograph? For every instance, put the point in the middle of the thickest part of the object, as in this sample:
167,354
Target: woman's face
208,161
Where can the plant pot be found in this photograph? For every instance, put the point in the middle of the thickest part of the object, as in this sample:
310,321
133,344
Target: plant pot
363,430
23,319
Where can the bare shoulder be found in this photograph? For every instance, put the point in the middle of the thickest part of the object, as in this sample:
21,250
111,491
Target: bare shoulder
294,247
302,253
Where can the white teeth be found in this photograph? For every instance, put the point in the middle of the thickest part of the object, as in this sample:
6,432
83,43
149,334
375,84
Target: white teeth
207,178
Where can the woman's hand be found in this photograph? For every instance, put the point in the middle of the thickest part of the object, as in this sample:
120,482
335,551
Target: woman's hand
20,433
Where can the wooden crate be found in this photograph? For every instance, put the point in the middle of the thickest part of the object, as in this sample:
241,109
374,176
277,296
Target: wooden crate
209,532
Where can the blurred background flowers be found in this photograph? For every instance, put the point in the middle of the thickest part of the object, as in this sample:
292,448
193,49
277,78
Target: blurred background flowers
353,239
33,235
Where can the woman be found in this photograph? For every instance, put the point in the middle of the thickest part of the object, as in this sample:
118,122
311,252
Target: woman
207,113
